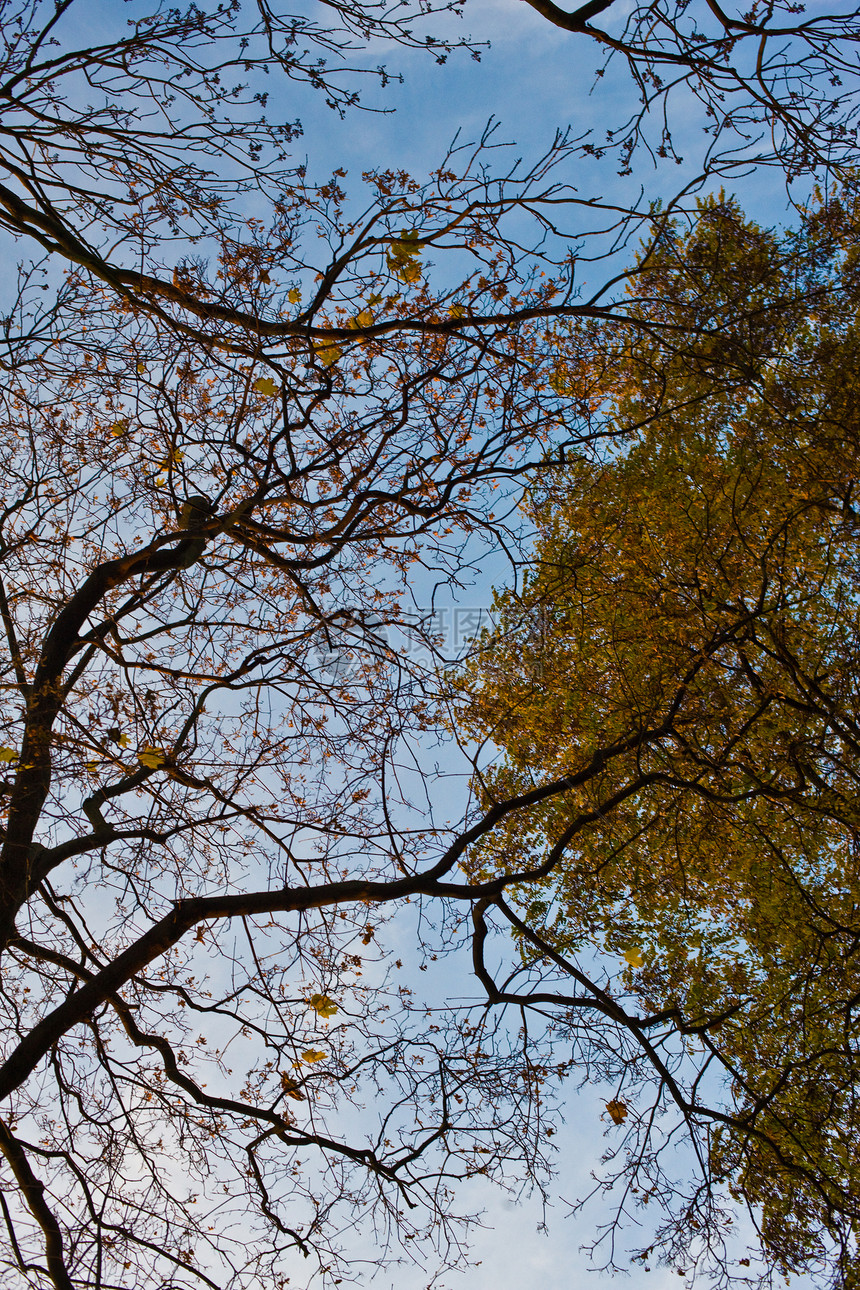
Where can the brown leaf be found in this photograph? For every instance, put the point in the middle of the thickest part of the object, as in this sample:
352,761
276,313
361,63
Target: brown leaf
292,1088
618,1111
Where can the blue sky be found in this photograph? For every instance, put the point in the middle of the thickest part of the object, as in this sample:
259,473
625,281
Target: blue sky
534,79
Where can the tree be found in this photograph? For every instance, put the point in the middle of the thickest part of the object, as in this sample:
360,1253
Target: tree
241,412
138,155
683,650
212,513
205,714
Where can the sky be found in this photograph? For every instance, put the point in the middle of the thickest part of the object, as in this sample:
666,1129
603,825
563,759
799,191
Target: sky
534,79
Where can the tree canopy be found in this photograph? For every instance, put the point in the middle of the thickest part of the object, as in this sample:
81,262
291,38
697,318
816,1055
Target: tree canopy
248,415
685,639
136,152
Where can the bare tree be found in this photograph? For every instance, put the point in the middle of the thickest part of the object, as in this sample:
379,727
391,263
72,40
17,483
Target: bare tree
773,85
209,536
122,155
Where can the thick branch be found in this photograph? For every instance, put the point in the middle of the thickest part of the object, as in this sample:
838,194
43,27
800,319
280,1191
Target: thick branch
574,21
18,874
33,1191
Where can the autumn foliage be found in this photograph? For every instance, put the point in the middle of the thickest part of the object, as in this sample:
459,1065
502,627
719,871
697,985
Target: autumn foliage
685,636
253,424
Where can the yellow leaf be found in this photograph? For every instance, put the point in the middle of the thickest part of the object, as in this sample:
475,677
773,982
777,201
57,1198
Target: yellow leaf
407,247
402,257
410,272
141,368
265,385
457,311
118,429
292,1089
92,767
8,754
362,319
634,956
618,1111
294,296
327,353
151,758
311,1055
323,1005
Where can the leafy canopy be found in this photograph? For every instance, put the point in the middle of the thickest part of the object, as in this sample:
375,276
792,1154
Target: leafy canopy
688,626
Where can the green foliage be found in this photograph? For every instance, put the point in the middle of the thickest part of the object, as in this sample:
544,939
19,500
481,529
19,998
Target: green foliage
688,627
